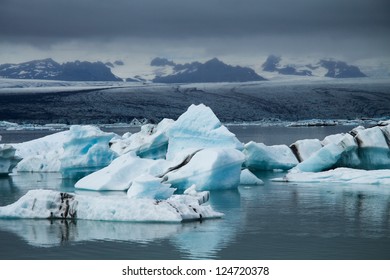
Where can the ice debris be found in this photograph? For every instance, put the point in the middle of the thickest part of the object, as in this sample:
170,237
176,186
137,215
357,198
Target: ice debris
8,159
248,178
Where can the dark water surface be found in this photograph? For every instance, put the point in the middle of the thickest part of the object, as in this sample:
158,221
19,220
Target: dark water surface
273,221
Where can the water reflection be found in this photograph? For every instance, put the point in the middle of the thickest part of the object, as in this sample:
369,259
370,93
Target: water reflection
195,240
276,220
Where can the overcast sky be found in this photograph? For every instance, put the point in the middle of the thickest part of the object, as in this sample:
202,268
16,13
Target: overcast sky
185,30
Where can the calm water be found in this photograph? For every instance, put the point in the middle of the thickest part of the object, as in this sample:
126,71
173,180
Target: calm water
274,221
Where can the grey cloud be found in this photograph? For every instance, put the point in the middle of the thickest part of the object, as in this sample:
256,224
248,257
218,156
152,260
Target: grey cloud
219,27
183,18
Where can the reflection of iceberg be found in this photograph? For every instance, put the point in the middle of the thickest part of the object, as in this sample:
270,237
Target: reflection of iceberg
44,204
46,233
201,241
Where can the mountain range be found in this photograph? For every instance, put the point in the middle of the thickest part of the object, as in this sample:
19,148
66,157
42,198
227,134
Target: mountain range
163,70
48,69
212,71
324,68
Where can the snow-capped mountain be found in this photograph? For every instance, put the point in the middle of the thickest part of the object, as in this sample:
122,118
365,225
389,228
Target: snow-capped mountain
211,71
323,68
48,69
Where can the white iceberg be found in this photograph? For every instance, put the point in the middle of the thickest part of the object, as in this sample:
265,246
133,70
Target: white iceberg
374,151
340,176
303,149
8,160
208,169
199,128
323,159
248,178
150,142
48,204
120,174
262,157
147,186
81,148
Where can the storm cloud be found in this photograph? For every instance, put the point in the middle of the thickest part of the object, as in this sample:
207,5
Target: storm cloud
214,24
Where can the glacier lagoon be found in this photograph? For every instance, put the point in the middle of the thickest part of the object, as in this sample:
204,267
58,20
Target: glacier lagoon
272,221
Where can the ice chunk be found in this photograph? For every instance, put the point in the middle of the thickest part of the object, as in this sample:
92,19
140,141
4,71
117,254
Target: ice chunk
303,149
208,169
86,149
334,138
321,160
199,128
386,133
120,174
44,204
81,148
150,142
8,160
341,175
371,137
374,151
43,154
202,197
248,178
262,157
147,186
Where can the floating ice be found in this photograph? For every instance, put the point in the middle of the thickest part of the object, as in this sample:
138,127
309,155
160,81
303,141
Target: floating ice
199,128
48,204
248,178
208,169
150,142
303,149
147,186
341,175
374,151
81,148
8,160
262,157
119,175
321,160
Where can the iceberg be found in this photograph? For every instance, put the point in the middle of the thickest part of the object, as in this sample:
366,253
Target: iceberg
199,128
193,150
374,151
321,160
248,178
120,174
80,149
208,169
262,157
340,175
147,186
150,142
361,148
303,149
48,204
8,160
